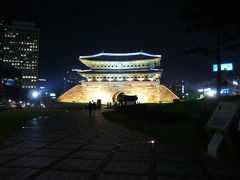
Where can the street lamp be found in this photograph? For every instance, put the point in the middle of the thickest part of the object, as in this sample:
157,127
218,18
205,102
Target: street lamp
35,94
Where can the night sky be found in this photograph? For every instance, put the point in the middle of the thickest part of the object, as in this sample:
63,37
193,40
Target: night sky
70,28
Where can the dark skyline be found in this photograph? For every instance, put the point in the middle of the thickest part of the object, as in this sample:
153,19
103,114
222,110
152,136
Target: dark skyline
69,29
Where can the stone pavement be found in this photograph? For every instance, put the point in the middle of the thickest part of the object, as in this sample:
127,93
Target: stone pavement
71,145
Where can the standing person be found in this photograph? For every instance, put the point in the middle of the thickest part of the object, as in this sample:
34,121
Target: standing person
90,107
94,107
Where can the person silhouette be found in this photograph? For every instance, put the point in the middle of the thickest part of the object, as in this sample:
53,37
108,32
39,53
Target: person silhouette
94,107
90,107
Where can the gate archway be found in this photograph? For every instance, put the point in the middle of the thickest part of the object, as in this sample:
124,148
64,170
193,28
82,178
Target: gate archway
116,96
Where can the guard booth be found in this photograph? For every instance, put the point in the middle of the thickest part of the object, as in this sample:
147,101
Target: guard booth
99,103
125,100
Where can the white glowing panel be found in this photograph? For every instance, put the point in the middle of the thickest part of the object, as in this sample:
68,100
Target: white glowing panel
235,83
52,94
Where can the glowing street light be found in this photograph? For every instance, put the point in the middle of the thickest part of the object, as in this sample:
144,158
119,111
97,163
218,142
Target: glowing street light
35,94
152,141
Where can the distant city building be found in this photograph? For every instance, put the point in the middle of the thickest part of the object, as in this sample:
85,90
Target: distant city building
230,87
42,84
19,48
10,83
111,75
206,88
72,79
45,95
179,88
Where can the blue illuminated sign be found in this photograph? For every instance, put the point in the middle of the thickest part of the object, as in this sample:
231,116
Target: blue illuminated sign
224,67
9,82
225,91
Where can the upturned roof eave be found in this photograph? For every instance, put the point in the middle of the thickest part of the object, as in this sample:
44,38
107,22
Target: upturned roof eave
117,72
120,54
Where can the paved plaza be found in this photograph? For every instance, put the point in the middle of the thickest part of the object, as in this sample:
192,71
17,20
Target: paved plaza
71,145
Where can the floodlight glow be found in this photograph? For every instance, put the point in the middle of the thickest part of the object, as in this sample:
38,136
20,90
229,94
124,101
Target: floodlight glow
211,93
224,67
35,94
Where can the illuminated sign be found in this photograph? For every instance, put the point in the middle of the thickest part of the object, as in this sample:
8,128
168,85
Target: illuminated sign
235,83
212,92
182,89
52,94
224,67
225,91
204,90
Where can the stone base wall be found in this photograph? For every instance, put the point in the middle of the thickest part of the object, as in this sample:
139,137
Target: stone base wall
147,92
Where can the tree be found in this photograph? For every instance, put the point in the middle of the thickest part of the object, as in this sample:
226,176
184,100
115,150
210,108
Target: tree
220,19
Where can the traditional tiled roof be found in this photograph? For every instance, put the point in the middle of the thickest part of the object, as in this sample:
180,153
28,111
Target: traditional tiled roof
120,56
103,71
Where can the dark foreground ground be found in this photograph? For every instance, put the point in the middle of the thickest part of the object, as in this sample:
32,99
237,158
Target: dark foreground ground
71,145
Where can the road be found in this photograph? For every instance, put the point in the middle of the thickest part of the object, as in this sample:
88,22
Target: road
72,145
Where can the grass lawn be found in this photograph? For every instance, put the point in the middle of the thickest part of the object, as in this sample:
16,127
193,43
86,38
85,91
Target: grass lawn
178,133
12,119
177,123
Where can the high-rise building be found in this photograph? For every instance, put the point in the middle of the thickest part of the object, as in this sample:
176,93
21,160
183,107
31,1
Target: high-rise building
19,48
179,88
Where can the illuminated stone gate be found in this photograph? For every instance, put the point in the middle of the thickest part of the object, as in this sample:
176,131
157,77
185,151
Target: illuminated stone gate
112,73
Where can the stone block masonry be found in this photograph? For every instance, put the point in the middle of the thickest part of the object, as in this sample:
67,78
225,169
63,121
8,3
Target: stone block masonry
147,92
